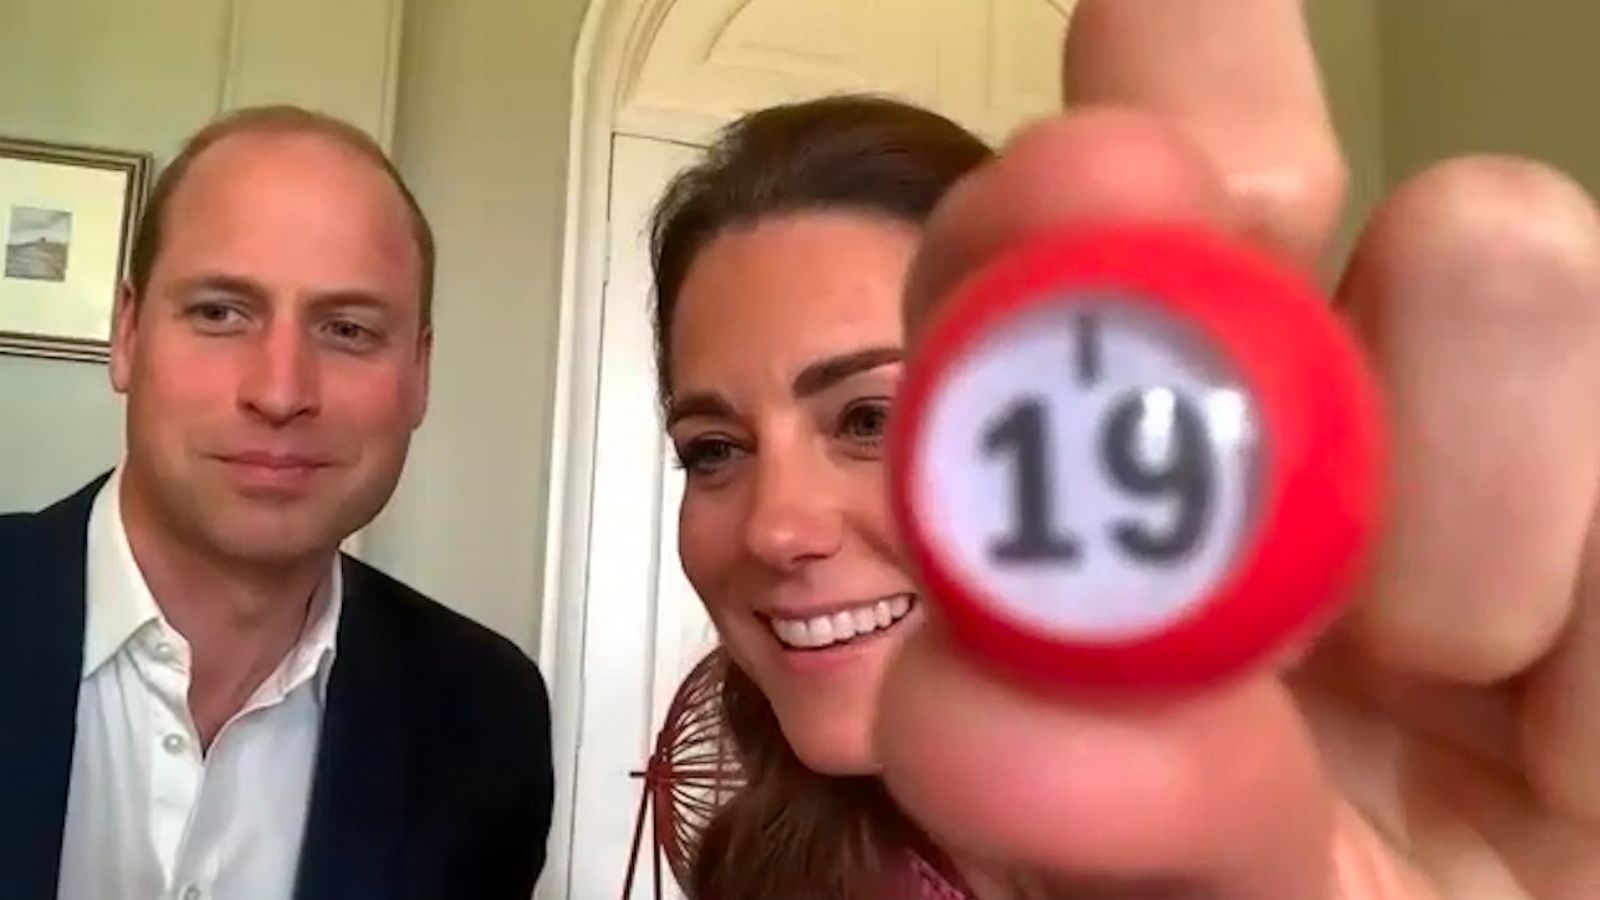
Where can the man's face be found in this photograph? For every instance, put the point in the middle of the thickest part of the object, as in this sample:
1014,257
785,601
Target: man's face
276,364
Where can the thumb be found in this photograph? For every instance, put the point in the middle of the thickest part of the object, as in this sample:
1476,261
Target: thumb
1214,795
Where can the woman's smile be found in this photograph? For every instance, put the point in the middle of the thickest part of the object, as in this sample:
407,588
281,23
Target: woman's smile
847,626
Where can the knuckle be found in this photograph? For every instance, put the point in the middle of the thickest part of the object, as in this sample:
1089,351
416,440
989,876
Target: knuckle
1514,234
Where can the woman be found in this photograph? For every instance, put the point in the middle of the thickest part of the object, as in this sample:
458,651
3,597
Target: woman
779,262
1438,743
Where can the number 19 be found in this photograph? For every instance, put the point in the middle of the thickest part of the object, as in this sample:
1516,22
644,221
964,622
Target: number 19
1184,477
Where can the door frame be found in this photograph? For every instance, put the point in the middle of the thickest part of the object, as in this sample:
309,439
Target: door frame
612,43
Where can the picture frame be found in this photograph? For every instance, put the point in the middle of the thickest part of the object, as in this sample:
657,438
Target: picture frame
67,215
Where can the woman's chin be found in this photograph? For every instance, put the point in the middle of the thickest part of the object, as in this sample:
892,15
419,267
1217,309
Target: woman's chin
826,699
841,763
833,739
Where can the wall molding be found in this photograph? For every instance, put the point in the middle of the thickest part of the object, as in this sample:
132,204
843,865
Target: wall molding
265,38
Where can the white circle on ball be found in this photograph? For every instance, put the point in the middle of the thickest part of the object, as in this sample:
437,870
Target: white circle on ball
1093,467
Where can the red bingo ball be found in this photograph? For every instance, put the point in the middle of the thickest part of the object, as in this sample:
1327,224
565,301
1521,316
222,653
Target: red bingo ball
1136,456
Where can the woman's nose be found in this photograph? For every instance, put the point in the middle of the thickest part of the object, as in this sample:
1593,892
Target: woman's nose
794,514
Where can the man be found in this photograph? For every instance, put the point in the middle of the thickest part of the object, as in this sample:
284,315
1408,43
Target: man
203,698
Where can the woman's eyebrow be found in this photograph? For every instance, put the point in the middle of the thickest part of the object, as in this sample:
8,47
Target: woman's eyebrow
702,403
825,373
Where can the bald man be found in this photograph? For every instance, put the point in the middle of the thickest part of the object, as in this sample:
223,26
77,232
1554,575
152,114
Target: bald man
204,697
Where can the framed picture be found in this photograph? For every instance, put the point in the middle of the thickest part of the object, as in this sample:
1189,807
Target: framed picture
67,214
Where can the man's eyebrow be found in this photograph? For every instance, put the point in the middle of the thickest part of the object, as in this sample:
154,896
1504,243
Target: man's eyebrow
224,284
343,299
825,373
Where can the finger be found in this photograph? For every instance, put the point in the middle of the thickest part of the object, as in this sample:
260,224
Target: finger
1560,733
1240,79
1131,795
1560,729
1079,167
1477,287
1219,792
1215,796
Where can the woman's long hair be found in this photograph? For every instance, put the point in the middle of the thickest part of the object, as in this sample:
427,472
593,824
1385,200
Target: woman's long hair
793,834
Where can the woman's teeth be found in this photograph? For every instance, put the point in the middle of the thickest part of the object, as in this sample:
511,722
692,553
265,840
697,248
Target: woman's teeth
839,627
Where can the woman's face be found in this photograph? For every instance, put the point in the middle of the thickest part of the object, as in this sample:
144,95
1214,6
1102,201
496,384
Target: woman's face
785,355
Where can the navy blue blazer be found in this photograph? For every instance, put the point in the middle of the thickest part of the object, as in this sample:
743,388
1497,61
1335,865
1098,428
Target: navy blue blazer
433,776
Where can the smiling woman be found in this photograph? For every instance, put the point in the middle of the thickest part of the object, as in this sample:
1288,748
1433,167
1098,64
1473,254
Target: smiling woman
779,262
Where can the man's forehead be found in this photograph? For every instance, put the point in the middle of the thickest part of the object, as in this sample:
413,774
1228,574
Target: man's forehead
289,209
291,204
297,156
290,187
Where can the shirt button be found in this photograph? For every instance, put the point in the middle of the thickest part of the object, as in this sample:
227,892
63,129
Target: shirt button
165,652
191,893
174,743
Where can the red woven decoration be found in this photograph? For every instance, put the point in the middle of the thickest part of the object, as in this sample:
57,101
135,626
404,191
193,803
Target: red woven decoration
692,772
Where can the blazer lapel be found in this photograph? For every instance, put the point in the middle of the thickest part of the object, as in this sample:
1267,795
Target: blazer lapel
355,827
42,619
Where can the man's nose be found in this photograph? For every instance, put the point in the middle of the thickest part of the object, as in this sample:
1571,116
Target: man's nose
281,380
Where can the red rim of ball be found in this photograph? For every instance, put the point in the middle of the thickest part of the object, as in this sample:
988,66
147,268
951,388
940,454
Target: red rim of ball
1322,450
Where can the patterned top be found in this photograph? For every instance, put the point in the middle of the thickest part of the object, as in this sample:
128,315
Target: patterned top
931,884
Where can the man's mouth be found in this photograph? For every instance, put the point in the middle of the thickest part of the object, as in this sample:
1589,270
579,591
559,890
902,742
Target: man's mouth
844,626
273,461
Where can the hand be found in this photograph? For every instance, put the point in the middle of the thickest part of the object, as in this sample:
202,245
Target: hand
1443,739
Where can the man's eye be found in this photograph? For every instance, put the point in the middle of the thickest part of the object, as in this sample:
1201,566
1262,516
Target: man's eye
347,330
352,334
215,315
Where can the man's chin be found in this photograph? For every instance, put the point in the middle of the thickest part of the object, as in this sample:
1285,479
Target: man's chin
274,541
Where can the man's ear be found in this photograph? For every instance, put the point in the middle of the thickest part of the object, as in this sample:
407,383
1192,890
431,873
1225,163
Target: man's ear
124,334
424,363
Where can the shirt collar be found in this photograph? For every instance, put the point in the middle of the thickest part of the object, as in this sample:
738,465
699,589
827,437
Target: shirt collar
120,605
119,601
312,656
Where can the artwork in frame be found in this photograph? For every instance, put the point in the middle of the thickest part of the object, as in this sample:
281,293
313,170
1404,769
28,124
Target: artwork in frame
67,214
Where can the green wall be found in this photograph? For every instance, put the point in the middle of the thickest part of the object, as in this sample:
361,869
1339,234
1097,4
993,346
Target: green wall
1492,76
136,75
485,98
1345,33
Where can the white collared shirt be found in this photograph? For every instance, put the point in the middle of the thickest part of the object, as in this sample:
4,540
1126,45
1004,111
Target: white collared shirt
147,817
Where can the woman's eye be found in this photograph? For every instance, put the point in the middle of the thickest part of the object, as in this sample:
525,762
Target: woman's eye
706,456
865,422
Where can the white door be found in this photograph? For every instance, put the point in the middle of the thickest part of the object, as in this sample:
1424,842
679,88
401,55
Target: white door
656,78
643,622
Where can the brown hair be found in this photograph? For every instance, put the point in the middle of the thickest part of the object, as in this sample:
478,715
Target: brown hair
276,119
793,834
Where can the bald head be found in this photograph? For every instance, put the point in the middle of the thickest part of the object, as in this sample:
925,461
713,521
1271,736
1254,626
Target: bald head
255,134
